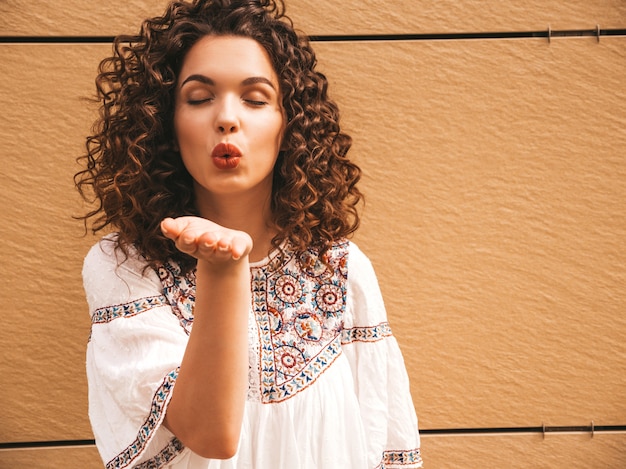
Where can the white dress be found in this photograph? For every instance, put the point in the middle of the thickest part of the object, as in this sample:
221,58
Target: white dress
328,387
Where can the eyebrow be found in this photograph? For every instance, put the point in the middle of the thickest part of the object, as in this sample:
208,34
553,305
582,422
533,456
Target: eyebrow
255,80
208,81
200,78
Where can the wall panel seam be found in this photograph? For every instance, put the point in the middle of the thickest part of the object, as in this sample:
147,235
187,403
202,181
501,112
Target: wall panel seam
548,34
592,430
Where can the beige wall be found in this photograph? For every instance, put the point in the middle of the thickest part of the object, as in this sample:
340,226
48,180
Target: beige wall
495,175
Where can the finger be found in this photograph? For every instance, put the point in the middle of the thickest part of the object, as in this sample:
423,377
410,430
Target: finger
208,239
170,228
223,244
187,248
214,245
187,242
240,246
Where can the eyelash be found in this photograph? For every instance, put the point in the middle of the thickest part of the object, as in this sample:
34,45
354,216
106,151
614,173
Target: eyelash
251,102
254,102
197,102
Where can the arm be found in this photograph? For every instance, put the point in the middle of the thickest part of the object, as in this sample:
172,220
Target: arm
206,409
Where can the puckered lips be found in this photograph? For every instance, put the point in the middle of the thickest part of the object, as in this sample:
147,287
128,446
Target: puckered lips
226,156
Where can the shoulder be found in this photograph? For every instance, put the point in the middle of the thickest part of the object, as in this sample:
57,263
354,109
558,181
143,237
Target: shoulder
357,256
365,305
111,276
362,280
360,268
106,255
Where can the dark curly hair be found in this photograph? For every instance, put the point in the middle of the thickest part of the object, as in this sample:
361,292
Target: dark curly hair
134,173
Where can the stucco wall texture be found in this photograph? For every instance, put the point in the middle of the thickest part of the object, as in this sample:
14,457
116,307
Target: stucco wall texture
495,178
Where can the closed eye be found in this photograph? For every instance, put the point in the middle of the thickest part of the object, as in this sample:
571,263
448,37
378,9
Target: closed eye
256,103
196,102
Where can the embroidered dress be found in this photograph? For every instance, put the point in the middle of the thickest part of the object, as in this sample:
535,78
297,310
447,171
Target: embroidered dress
327,384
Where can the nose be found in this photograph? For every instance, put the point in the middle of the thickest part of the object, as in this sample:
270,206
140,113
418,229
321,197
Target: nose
227,120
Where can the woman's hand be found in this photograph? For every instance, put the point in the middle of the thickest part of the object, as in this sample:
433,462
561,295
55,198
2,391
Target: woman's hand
206,240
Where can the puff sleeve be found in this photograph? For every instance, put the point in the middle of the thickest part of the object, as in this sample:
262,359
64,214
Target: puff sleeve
378,371
133,354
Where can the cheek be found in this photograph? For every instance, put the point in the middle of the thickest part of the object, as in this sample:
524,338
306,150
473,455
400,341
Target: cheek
185,141
187,130
275,133
190,164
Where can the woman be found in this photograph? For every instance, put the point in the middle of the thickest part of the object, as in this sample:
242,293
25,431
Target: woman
233,324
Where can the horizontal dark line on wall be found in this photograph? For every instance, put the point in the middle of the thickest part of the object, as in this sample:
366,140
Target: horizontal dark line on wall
46,444
542,430
464,36
435,431
354,37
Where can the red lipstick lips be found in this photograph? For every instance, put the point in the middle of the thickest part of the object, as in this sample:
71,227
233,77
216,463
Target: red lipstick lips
226,156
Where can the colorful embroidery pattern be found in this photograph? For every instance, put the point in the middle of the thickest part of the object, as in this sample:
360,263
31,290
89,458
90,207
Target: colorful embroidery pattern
402,459
180,291
157,413
165,455
109,313
366,334
289,289
298,307
330,298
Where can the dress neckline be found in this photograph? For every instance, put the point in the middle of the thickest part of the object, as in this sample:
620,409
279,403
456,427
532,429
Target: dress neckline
275,255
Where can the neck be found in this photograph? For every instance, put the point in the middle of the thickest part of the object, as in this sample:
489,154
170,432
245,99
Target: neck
243,212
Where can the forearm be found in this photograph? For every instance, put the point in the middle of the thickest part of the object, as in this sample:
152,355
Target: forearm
207,404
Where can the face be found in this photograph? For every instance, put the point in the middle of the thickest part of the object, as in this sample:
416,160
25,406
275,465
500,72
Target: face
228,117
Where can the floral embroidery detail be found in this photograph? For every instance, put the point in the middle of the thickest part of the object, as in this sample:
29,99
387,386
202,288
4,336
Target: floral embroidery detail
403,459
180,291
366,334
165,455
109,313
311,264
342,262
308,326
288,289
290,360
146,431
329,298
299,315
276,320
